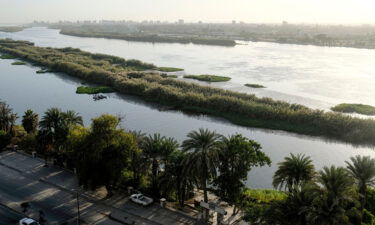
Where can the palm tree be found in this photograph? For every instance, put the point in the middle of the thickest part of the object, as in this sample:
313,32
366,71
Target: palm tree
7,117
334,195
362,169
295,207
71,118
58,124
30,121
153,148
202,161
293,171
174,180
51,120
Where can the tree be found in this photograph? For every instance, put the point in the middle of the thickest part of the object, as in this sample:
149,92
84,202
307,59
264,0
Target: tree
7,117
293,171
157,148
237,156
30,121
103,151
334,197
58,123
362,169
173,180
294,209
202,161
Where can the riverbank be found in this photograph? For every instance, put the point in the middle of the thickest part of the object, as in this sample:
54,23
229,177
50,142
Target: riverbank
153,38
117,73
12,29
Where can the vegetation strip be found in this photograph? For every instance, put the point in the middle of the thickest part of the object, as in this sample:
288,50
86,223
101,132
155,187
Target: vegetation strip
153,38
119,74
93,90
18,63
169,69
254,85
208,78
11,29
354,108
7,56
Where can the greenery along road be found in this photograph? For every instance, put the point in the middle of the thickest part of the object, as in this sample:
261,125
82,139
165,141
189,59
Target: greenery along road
124,76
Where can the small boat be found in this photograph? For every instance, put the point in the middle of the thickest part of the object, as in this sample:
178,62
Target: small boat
97,97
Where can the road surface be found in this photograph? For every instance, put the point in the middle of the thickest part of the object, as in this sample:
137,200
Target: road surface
9,217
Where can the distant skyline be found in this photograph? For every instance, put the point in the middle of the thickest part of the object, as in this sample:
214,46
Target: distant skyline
249,11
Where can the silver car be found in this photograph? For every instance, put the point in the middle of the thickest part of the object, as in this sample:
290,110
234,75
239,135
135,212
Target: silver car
141,199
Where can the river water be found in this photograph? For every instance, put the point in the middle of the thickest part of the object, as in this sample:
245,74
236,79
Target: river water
281,68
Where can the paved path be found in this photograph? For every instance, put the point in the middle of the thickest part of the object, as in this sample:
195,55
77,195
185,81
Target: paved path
23,178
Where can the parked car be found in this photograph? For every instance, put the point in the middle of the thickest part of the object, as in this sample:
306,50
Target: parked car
141,199
28,221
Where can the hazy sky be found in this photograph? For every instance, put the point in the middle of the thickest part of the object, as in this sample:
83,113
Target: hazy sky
267,11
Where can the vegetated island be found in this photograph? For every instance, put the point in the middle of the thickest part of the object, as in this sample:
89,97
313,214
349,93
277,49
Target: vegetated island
18,63
239,108
11,29
169,69
255,86
146,37
354,108
94,90
208,78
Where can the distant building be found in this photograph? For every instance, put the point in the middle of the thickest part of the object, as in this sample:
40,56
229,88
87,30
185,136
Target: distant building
234,22
181,21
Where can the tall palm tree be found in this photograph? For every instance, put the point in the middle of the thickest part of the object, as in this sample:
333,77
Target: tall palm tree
334,195
362,169
152,146
203,147
174,180
58,124
293,171
7,117
30,121
52,120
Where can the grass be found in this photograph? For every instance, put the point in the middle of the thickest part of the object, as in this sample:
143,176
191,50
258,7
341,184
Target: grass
93,90
354,108
18,63
208,78
7,56
254,85
169,69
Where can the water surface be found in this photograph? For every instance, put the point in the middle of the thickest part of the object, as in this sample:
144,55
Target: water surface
23,89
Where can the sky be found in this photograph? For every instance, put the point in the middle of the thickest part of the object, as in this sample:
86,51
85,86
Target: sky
250,11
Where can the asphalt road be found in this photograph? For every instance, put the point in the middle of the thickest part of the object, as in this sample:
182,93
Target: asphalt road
8,217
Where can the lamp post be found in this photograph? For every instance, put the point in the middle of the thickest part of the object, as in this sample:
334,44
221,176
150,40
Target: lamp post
78,212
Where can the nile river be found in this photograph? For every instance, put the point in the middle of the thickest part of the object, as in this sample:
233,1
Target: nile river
315,76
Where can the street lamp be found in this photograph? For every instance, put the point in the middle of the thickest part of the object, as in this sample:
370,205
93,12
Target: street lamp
78,212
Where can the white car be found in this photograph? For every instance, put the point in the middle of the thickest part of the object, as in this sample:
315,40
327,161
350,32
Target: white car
141,199
28,221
